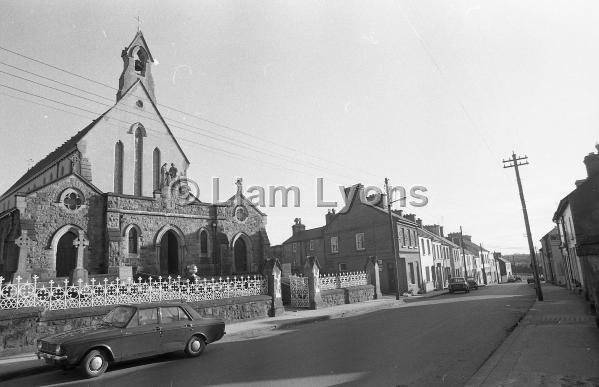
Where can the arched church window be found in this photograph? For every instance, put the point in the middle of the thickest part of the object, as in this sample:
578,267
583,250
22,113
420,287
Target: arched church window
156,170
203,242
133,241
140,61
139,149
118,167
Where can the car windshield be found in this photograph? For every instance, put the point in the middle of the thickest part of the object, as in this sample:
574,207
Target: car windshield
457,279
119,316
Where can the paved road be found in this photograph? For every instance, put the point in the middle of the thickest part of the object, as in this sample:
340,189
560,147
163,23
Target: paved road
440,341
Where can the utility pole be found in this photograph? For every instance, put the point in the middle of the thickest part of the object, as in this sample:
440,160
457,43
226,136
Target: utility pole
513,266
463,253
516,162
393,240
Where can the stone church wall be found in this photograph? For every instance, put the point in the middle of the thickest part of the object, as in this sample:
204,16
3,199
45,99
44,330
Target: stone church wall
44,214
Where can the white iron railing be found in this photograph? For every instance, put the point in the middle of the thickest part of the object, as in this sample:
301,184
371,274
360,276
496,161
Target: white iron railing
61,295
343,280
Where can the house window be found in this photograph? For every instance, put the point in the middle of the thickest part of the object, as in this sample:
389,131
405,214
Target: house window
403,237
415,239
294,248
203,242
311,245
334,245
133,241
412,278
360,241
428,246
422,242
342,266
428,274
409,237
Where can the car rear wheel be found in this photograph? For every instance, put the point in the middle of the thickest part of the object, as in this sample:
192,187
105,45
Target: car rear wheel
195,346
94,363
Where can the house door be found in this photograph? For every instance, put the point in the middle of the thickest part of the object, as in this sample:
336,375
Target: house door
391,278
66,255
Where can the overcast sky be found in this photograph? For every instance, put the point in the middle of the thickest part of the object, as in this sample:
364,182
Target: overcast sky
430,93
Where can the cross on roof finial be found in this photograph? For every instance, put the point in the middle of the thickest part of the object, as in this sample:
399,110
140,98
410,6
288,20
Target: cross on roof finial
138,23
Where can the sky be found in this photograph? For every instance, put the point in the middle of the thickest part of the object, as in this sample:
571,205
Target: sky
282,93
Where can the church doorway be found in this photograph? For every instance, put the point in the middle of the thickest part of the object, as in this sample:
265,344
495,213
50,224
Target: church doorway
66,255
169,254
241,258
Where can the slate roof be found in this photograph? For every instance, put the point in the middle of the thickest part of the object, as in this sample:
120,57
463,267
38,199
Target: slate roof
312,233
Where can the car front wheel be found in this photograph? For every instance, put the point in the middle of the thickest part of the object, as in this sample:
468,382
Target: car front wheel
94,363
195,346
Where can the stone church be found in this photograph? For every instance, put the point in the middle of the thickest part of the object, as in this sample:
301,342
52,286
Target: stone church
111,201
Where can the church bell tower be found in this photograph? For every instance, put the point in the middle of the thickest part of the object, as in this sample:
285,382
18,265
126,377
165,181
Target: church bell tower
137,64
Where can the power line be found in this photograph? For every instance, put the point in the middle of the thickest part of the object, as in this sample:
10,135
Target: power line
213,148
234,142
183,112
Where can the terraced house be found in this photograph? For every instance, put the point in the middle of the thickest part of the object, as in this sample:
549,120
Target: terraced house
111,200
349,237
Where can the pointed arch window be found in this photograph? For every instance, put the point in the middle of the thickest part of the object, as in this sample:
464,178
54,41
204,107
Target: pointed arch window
118,167
133,239
156,170
203,242
140,58
139,149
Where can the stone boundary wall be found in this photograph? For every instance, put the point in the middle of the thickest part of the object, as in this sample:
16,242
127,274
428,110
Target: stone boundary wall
20,328
350,295
332,297
359,293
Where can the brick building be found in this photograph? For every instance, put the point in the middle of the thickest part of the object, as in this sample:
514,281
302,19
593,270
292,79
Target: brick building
113,199
348,238
577,216
551,258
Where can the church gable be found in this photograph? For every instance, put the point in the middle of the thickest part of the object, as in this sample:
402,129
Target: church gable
130,146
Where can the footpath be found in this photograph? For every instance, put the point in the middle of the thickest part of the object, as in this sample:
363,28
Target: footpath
28,363
555,344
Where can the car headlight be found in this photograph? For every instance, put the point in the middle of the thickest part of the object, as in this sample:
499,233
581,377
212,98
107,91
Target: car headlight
39,345
58,349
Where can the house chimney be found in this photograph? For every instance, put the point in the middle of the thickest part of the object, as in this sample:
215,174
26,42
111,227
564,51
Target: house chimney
411,217
467,238
329,216
592,163
419,222
297,226
441,231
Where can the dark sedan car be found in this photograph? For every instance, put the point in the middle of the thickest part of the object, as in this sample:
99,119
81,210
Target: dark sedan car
129,332
458,283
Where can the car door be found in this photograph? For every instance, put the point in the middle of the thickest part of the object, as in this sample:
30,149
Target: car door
175,327
141,337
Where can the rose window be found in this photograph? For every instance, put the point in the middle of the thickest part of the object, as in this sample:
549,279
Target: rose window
72,201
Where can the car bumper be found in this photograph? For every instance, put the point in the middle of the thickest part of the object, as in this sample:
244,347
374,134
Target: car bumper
454,288
51,358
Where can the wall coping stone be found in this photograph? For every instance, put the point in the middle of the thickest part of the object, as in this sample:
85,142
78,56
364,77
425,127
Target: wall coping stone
332,291
62,314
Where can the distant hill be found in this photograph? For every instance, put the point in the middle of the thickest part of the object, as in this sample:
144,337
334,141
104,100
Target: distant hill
520,261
